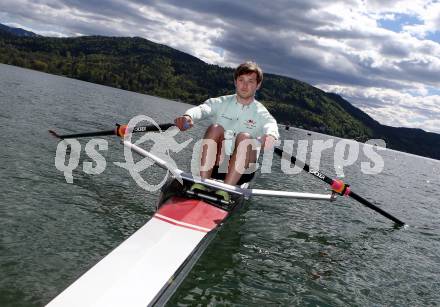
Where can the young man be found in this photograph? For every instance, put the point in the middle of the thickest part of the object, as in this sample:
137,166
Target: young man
237,122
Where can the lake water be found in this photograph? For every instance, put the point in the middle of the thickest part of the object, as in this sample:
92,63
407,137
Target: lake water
275,252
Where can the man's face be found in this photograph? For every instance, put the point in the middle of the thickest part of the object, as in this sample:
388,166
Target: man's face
246,85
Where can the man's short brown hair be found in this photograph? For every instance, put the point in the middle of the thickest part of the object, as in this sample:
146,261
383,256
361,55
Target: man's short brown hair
248,68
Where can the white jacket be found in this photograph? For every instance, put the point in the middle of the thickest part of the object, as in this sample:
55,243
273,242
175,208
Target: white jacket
236,117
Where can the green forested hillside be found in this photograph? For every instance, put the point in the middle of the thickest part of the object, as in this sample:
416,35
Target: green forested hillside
139,65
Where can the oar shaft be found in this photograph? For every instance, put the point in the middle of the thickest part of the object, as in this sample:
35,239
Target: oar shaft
375,208
304,166
330,181
119,131
87,134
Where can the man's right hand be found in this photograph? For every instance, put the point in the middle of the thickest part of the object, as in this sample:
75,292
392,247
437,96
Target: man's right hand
184,122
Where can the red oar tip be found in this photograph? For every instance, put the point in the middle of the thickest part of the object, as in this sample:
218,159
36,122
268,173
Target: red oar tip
121,130
340,187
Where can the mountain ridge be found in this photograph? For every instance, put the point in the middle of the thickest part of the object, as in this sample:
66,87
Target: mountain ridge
139,65
17,31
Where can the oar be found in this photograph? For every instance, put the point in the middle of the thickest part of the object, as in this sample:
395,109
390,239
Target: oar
120,131
338,186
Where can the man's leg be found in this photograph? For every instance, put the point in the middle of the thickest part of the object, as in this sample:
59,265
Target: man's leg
241,158
215,133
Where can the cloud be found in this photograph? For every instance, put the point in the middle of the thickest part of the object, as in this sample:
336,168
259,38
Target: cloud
417,108
340,46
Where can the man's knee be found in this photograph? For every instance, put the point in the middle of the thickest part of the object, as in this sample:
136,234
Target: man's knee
215,129
245,141
243,136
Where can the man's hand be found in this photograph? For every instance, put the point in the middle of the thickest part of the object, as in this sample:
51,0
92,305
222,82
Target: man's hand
184,122
267,142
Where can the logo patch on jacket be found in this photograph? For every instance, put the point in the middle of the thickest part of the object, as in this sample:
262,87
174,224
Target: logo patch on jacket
250,123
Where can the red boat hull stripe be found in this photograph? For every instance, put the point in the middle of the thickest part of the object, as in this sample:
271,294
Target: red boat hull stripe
191,213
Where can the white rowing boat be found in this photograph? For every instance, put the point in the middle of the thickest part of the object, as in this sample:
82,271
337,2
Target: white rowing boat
147,268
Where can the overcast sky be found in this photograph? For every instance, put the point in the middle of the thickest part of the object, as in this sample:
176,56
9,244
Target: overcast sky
383,56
